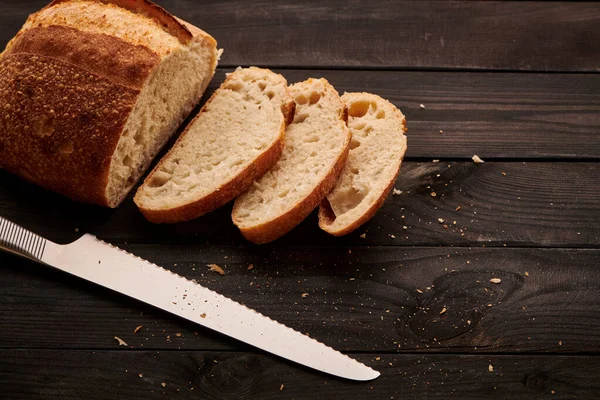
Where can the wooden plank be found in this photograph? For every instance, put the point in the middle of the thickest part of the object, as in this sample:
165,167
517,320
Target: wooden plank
356,299
43,374
534,204
549,36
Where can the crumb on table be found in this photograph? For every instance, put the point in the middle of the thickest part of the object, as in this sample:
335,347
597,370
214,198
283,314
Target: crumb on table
476,159
216,268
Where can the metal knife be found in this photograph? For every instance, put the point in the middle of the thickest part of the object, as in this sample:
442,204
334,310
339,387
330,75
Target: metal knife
113,268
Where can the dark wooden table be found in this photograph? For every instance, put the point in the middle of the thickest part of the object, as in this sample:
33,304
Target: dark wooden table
516,83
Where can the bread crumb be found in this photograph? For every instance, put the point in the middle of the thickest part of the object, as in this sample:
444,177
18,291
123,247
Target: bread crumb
495,280
137,329
396,192
440,220
281,387
489,304
141,375
443,310
526,273
363,236
477,160
250,267
457,208
435,161
560,342
377,358
120,341
178,334
422,105
405,227
491,368
304,295
503,173
216,268
419,291
552,391
203,315
163,384
392,236
468,322
433,194
441,131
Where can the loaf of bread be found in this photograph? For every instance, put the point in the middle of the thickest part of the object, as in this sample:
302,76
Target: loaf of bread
90,90
376,152
236,138
316,147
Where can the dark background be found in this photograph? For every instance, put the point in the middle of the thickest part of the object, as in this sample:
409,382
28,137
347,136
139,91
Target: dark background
516,83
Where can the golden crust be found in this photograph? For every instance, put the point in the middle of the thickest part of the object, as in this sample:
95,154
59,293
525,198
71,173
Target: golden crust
153,11
60,124
197,32
119,61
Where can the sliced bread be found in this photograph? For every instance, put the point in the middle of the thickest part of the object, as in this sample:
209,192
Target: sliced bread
376,151
316,147
236,138
93,89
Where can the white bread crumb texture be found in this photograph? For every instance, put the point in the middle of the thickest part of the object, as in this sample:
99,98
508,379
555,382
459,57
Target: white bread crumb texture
376,151
313,144
238,124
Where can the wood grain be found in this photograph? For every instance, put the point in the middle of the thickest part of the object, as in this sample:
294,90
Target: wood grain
40,374
551,36
548,36
374,299
534,204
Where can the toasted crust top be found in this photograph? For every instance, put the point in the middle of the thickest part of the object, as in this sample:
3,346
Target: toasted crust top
109,19
153,11
60,124
121,62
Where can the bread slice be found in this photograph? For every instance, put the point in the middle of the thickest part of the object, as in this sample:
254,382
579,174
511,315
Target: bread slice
316,147
93,89
376,152
236,138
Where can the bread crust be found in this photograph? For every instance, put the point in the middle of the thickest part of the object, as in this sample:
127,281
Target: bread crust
108,56
145,7
60,124
80,87
274,229
67,93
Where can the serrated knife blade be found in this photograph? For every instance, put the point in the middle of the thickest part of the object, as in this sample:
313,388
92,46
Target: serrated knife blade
99,262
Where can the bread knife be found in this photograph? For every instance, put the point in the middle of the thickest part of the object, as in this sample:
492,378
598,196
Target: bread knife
103,264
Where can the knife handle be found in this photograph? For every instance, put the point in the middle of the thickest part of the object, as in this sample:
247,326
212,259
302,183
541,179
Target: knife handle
17,240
